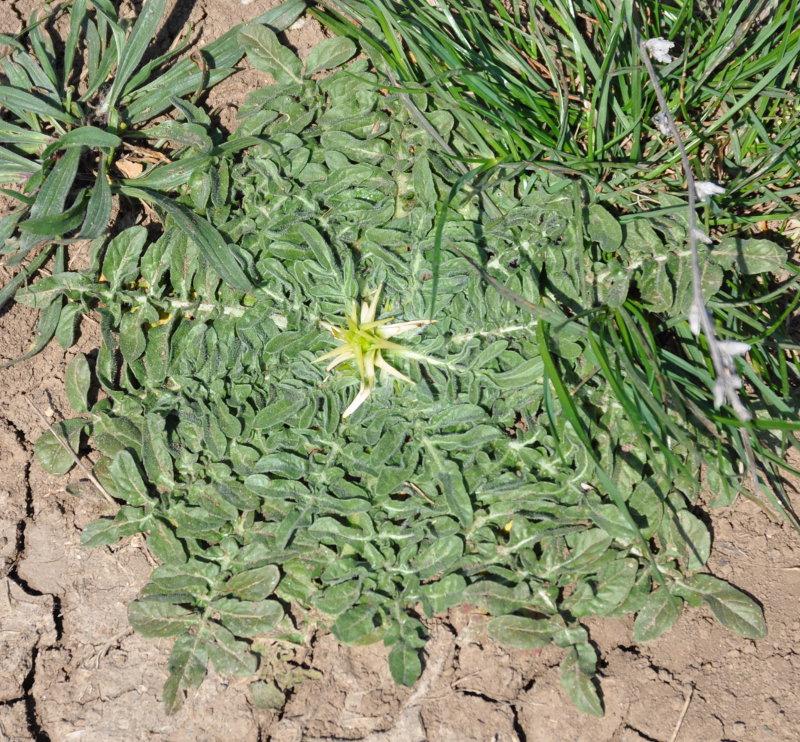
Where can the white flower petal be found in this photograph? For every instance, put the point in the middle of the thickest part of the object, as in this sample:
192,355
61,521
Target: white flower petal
701,236
733,348
696,318
705,189
659,49
662,124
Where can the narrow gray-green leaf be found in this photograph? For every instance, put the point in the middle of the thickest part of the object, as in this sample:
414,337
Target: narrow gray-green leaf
57,185
22,102
76,17
55,225
98,210
141,37
45,329
84,136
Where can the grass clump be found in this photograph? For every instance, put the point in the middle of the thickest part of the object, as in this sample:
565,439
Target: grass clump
542,466
561,84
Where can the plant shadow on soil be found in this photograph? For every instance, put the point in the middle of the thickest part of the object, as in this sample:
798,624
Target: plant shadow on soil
72,669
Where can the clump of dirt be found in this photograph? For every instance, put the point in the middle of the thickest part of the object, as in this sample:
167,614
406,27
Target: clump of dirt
71,669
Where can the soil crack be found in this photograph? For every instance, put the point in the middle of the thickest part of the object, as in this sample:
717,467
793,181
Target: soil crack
517,724
11,573
644,737
31,712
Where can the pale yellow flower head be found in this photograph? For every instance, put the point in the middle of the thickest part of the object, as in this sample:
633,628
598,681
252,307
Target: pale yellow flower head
363,340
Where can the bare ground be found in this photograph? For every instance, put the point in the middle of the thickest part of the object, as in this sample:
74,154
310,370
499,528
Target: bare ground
71,670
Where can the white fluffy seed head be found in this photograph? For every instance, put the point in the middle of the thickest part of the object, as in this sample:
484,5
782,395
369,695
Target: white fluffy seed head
733,348
705,189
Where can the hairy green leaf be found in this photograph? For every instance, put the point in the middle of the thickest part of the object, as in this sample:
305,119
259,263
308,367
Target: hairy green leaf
77,381
404,664
659,612
521,632
580,687
50,450
158,618
267,54
732,608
